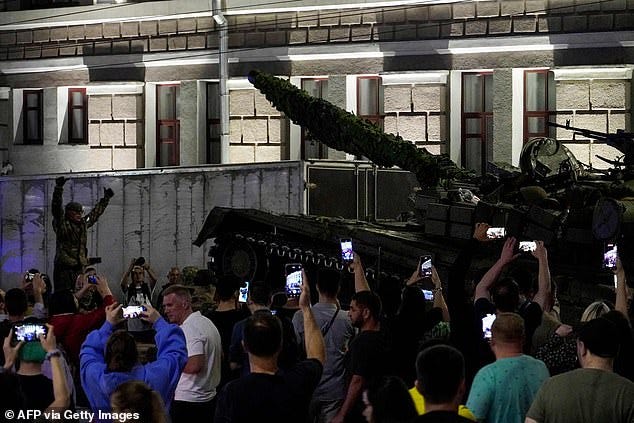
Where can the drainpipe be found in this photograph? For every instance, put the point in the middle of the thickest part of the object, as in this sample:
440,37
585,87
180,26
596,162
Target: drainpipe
223,70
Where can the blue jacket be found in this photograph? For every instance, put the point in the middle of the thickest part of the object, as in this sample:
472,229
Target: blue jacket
161,375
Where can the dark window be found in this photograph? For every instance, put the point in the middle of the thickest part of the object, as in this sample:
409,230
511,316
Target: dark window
77,116
477,120
32,113
168,125
311,148
537,89
213,123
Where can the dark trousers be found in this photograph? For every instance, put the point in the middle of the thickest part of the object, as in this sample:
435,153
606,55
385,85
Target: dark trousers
189,412
64,276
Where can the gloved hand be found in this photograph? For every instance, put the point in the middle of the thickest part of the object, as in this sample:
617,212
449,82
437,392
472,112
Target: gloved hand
60,181
108,193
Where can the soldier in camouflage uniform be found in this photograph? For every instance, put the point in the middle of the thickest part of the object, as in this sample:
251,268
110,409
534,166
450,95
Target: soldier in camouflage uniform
71,226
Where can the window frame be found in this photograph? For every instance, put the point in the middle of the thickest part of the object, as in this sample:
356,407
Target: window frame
40,117
545,114
212,121
304,135
484,116
71,116
174,159
378,118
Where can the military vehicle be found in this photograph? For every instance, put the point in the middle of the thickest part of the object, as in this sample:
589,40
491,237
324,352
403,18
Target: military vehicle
552,197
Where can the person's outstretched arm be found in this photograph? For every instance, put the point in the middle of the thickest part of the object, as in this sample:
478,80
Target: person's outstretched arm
542,297
360,282
314,340
620,303
439,299
92,217
56,204
126,276
491,276
61,393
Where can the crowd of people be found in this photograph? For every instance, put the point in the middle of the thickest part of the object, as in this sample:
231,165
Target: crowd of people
498,353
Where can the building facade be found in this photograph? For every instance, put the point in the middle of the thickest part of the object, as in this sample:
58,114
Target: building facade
96,86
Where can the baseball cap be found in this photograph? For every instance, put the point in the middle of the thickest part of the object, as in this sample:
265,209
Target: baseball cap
74,206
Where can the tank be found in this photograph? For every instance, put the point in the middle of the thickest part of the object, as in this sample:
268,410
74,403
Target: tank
552,197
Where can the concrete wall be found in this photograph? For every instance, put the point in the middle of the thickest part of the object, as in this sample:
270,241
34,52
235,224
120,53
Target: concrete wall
153,214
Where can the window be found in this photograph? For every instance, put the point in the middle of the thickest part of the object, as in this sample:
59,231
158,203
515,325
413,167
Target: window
213,123
370,99
77,116
32,115
168,125
537,87
311,148
477,120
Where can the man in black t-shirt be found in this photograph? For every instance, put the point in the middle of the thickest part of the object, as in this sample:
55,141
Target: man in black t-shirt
368,357
269,393
440,378
493,296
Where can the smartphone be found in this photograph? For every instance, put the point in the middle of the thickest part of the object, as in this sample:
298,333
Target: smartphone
293,280
244,293
424,271
610,254
132,312
28,332
92,279
496,233
347,254
429,295
30,276
527,246
487,322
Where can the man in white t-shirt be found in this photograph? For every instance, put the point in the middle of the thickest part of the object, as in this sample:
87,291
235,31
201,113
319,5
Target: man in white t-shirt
196,391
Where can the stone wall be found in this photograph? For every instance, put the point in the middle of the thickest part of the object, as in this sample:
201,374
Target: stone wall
490,18
115,120
257,130
601,105
414,112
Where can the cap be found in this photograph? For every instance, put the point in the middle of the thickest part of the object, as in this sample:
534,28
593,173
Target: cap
601,337
73,206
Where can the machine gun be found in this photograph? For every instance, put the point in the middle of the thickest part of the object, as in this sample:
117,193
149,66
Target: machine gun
621,140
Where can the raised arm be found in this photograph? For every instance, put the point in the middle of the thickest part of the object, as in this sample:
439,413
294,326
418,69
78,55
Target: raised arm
61,393
543,277
360,282
126,275
491,276
620,303
92,217
152,276
39,287
313,338
439,299
171,349
56,204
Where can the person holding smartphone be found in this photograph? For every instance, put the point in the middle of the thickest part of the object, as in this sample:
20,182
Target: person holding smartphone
493,296
268,393
228,312
110,357
337,331
38,391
